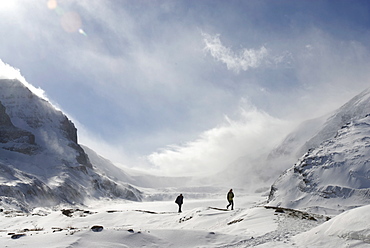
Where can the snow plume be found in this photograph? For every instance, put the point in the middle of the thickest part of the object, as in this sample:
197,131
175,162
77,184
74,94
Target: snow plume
251,134
246,59
9,72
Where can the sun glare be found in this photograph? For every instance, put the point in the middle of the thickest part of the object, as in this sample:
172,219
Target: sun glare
8,5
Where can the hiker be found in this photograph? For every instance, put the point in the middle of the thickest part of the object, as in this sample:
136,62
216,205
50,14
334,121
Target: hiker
230,199
179,201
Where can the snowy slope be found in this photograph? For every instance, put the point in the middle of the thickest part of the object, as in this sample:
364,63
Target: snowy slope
292,146
349,229
331,178
41,162
356,108
311,133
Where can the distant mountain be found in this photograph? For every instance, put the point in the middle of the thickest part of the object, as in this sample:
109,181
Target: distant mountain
41,162
134,177
334,175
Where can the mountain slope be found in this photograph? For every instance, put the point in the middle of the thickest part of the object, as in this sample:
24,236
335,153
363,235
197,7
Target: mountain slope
311,133
331,178
356,108
41,162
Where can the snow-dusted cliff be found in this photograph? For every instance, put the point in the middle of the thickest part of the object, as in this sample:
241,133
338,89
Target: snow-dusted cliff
333,177
41,162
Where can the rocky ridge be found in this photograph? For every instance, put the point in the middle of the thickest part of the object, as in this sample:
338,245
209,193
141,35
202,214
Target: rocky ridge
41,162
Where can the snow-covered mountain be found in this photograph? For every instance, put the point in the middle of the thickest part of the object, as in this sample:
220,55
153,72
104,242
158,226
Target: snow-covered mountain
333,176
311,133
41,162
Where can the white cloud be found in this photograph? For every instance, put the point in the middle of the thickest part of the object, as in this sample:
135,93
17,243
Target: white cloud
246,59
252,134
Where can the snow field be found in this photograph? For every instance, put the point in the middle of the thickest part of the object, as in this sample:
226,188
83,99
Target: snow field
140,224
201,224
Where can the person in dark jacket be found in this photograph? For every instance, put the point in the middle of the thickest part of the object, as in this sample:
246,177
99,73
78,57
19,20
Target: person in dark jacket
230,199
179,201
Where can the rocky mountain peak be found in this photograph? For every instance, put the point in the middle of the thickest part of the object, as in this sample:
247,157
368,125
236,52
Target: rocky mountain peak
43,163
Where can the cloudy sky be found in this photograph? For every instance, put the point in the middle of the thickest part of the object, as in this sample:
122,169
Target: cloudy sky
183,85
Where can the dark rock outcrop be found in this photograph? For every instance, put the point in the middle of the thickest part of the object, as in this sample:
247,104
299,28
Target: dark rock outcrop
16,139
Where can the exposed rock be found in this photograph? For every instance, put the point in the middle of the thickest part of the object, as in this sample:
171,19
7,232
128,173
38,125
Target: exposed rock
67,212
97,228
41,162
17,236
13,138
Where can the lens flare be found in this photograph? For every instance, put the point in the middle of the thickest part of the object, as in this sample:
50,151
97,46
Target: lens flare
81,31
52,4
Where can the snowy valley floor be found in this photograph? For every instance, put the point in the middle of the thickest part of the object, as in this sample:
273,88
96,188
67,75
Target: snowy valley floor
157,224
